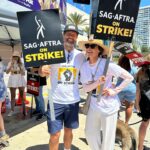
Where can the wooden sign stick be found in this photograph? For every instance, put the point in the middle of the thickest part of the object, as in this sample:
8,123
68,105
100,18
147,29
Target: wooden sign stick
106,68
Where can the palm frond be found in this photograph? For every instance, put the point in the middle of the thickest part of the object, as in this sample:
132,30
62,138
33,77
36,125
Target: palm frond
76,19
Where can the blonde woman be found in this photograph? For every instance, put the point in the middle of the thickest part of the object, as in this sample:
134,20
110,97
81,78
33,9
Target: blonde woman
16,79
102,115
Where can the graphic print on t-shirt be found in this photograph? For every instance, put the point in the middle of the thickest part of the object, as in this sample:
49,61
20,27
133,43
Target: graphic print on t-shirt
98,90
67,75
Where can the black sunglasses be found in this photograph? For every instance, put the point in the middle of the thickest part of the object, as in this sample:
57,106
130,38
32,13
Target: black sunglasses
90,45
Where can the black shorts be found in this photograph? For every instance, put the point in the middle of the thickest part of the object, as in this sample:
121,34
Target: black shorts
145,108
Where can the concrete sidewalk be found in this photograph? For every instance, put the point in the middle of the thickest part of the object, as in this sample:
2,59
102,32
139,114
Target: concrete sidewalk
29,134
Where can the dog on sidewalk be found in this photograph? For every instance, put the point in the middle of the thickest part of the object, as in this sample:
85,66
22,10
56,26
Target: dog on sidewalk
126,135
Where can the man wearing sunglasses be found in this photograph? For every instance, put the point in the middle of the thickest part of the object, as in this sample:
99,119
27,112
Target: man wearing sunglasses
64,89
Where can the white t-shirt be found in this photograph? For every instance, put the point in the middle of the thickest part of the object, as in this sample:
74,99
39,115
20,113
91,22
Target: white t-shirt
107,104
64,79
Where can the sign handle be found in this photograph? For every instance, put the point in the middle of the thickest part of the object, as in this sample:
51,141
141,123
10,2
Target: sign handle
31,106
50,99
106,68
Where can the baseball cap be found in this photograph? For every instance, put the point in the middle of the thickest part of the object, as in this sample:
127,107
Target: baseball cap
71,27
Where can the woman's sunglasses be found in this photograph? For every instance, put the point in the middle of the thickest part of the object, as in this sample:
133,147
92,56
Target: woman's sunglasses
90,45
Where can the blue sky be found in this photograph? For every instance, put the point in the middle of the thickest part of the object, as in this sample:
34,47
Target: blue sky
87,7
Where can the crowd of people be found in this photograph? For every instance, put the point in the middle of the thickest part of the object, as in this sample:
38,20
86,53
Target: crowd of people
88,69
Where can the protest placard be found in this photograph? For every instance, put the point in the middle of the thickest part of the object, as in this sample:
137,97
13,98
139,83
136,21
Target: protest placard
41,37
125,49
33,83
45,4
31,4
82,1
116,19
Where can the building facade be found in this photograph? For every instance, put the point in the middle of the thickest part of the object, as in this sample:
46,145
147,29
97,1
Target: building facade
142,29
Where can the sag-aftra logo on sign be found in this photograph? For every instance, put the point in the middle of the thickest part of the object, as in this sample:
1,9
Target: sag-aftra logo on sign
117,19
42,41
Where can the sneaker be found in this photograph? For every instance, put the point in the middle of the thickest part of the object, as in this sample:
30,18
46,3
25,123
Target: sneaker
5,137
39,117
11,113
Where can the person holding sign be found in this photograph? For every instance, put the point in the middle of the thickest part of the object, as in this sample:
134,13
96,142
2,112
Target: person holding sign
143,99
16,79
102,115
64,91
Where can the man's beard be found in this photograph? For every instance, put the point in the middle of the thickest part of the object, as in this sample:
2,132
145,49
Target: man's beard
69,46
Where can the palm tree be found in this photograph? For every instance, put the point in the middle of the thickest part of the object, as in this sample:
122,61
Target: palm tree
87,30
76,19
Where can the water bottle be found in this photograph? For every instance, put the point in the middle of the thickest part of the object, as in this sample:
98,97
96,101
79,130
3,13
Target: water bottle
7,99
